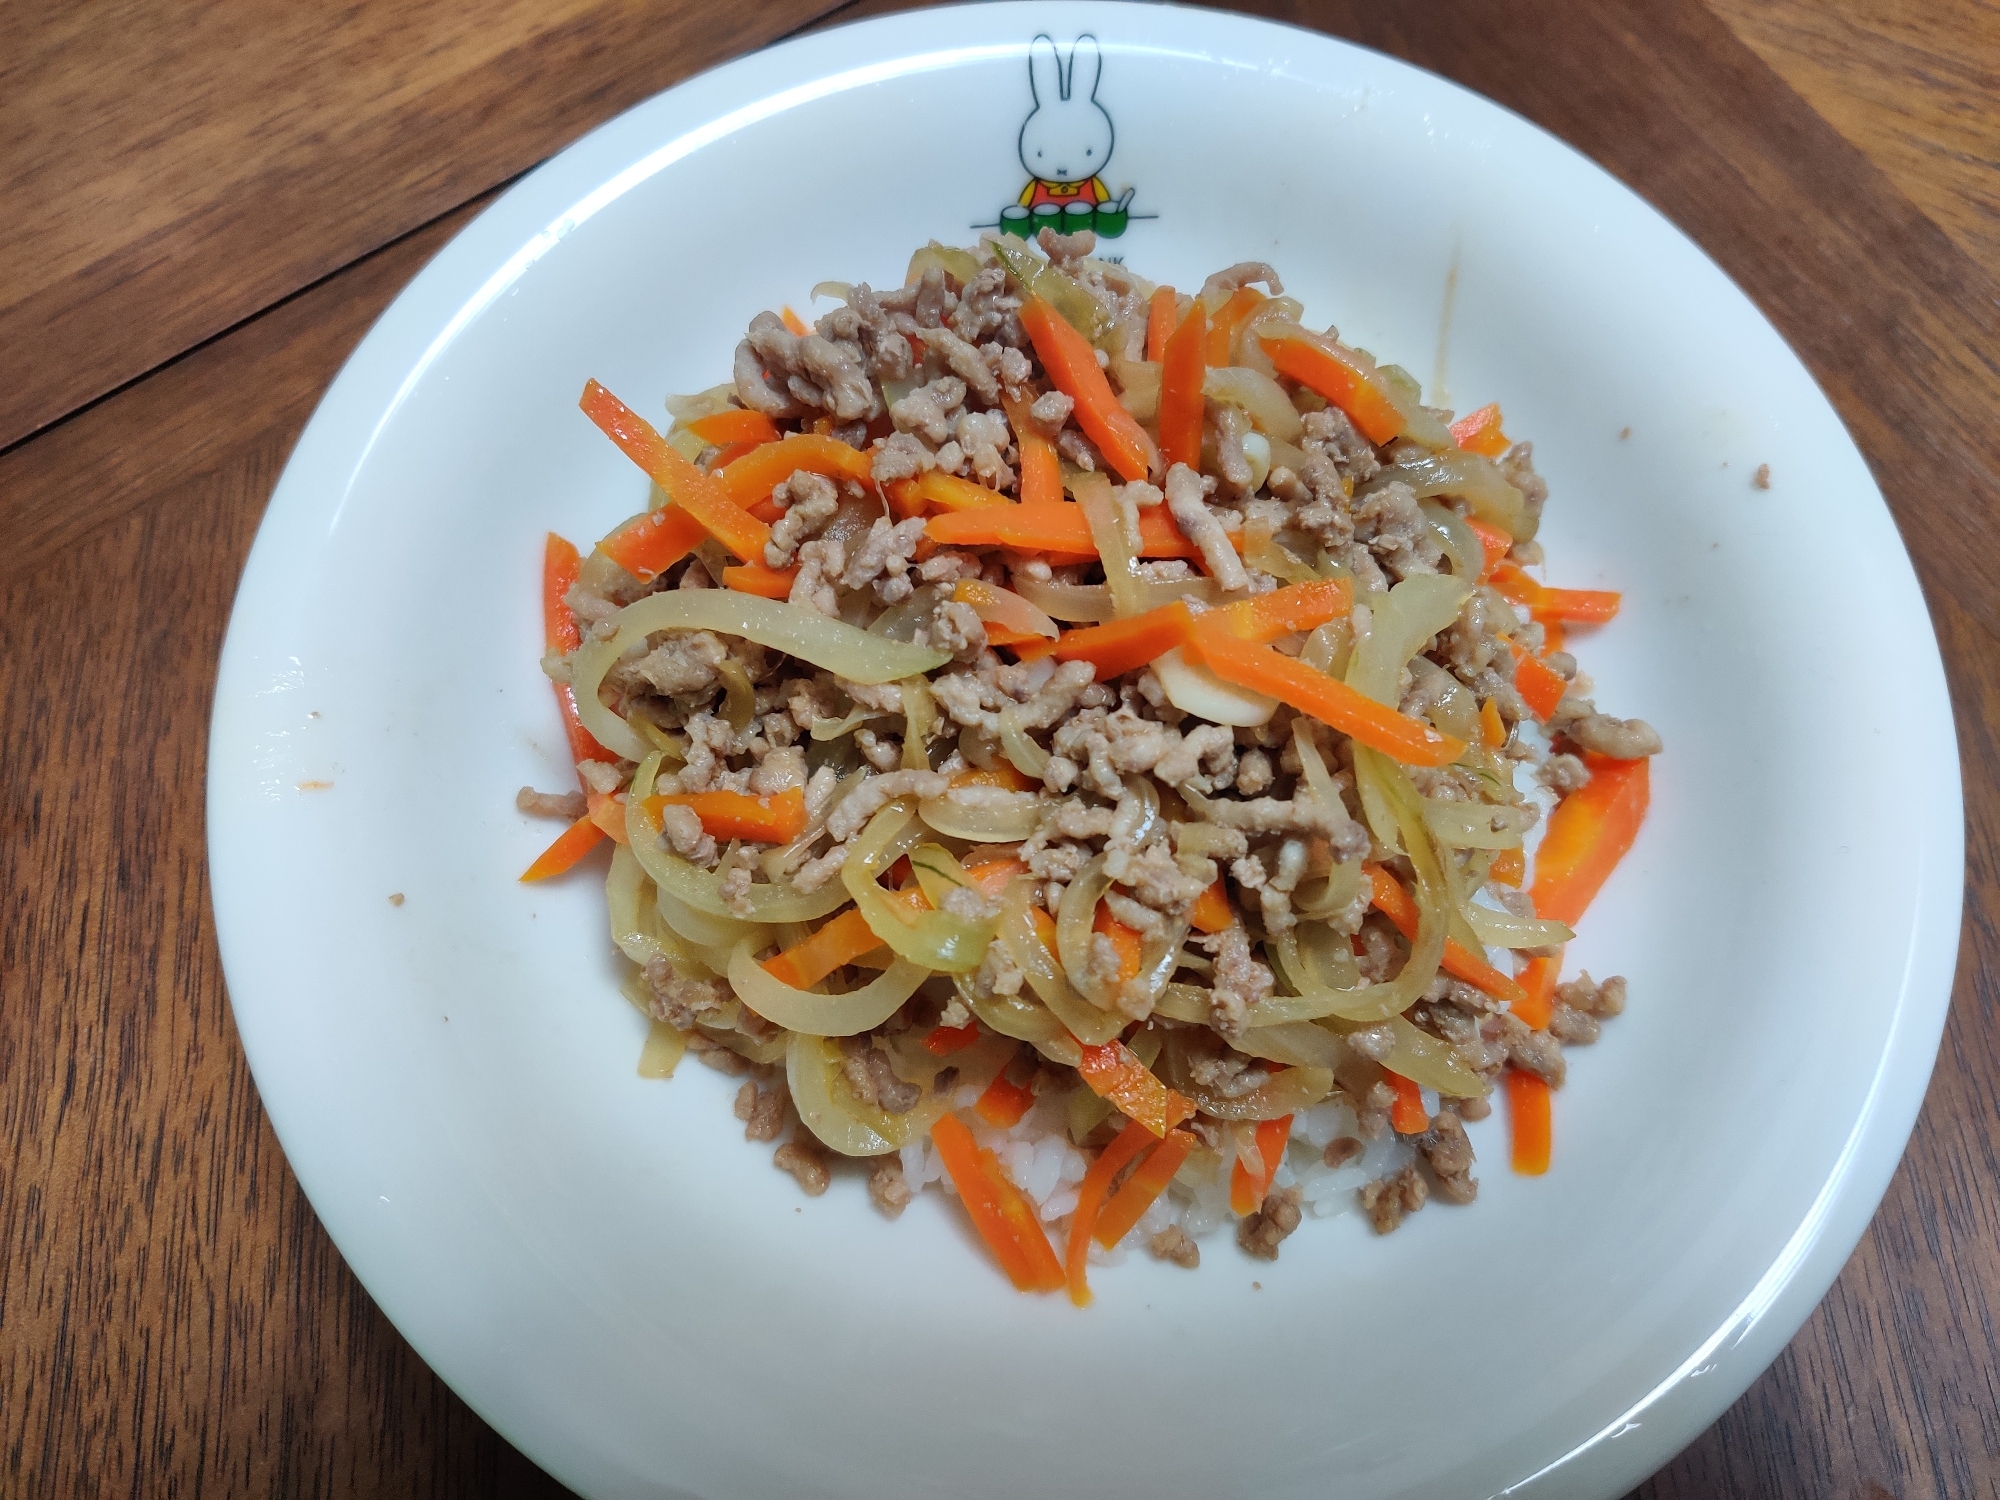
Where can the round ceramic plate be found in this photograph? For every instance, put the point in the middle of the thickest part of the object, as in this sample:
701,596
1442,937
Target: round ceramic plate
607,1271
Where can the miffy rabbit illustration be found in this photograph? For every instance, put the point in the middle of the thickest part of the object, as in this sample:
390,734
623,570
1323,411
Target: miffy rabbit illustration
1065,145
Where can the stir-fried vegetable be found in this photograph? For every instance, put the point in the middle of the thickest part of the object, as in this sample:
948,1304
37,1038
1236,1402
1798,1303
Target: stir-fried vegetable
1002,1216
1528,1120
1479,432
1590,831
1181,365
693,492
1072,366
1250,1181
1129,1204
571,845
1112,1160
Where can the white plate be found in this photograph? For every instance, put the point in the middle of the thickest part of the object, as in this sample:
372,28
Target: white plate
603,1267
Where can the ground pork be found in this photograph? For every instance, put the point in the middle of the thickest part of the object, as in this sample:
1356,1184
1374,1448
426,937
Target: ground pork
882,558
1341,1150
1517,467
762,1112
1239,981
928,411
1621,739
1172,1243
872,795
1448,1152
1563,774
1187,500
681,829
820,567
888,1189
681,1001
899,456
568,806
810,500
1389,522
1263,1231
1388,1199
1531,1051
966,362
806,1160
1593,997
868,1072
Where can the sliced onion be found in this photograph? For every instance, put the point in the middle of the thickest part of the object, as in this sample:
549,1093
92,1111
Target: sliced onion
1088,1024
1460,542
1073,931
1265,555
845,1124
939,940
1025,1019
1107,532
1297,1044
625,895
1029,758
919,717
777,861
1499,929
1184,1002
1256,393
960,265
1402,624
1090,603
1434,1064
1475,480
662,1052
1000,606
793,629
834,729
802,1011
1195,690
1285,1093
1003,818
703,929
1477,825
1138,387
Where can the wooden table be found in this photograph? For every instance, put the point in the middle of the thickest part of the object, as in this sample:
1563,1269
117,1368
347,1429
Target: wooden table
202,209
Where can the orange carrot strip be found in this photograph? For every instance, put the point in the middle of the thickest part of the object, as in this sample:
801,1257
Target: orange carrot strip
1220,345
1181,404
1479,432
755,578
1491,730
776,819
1331,701
1211,911
1406,1115
1124,941
1120,646
1004,1102
1026,1224
1509,867
1072,366
953,493
560,565
1002,773
1528,1122
1316,366
945,1040
984,1190
1400,908
1493,541
696,493
725,428
1577,606
1128,1143
1541,687
570,846
839,941
1041,469
1589,832
1552,636
904,498
794,322
1054,527
1297,606
1247,1189
608,813
1114,1073
994,876
1129,1204
752,477
1160,321
1538,986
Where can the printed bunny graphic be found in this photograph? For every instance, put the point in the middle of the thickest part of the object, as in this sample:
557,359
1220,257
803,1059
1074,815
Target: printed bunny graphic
1065,145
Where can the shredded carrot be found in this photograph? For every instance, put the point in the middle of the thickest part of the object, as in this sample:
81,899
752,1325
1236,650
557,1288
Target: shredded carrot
1552,636
1220,346
1003,774
1541,687
1181,404
1317,367
1479,432
727,428
945,1040
1528,1122
1124,941
1004,1102
1296,607
1400,908
952,493
1211,911
775,819
1538,987
560,566
1114,1073
1160,321
1509,867
1129,1204
904,498
1003,1219
1054,527
1041,469
839,941
755,578
570,846
1072,365
1128,1143
1589,832
1331,701
994,876
1247,1189
1576,606
752,477
1491,730
608,813
1494,542
1120,646
693,492
1406,1115
794,322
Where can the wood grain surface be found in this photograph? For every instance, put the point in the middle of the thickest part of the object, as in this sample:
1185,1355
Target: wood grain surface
202,209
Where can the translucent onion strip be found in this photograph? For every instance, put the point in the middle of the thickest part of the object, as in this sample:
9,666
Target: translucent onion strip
845,1124
1499,929
626,895
1073,931
847,1014
1088,1024
1270,410
1029,758
1107,530
1460,542
1402,624
1477,825
1297,1044
1025,1019
1090,603
938,940
1426,1060
1475,480
793,629
1002,818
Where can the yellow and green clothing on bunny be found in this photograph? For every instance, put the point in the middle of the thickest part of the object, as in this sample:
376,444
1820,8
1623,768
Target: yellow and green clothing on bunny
1040,191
